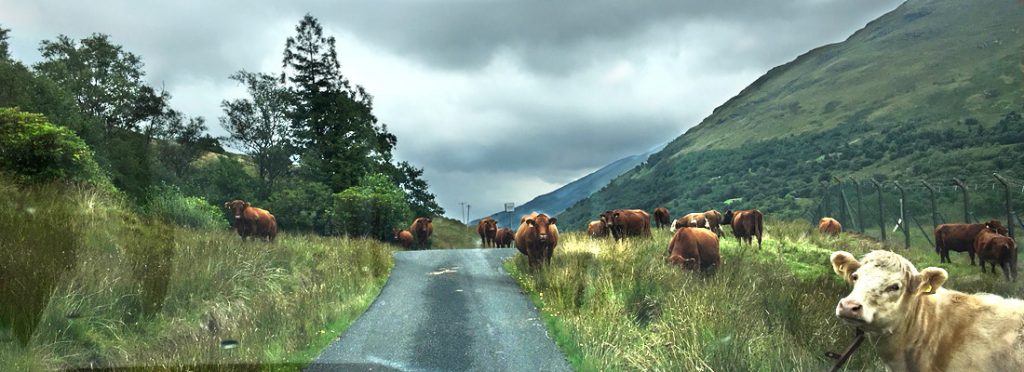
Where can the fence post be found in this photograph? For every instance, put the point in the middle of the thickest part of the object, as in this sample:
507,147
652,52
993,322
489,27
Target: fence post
1009,207
827,200
881,211
967,202
903,215
935,213
860,207
847,214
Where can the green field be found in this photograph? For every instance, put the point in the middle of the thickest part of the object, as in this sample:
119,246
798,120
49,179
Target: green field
618,306
98,285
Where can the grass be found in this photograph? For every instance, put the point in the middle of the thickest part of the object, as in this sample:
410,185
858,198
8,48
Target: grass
88,283
618,306
450,233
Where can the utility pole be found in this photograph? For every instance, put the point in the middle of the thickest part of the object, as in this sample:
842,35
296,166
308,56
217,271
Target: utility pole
462,209
467,214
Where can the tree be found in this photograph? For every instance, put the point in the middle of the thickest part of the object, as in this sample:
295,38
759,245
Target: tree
106,81
180,140
34,151
336,134
417,192
260,125
5,52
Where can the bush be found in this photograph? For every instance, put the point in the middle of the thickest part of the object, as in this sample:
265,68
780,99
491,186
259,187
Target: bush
301,205
168,203
372,208
222,179
35,151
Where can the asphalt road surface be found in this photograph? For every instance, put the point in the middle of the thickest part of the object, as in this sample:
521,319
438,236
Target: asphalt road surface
446,310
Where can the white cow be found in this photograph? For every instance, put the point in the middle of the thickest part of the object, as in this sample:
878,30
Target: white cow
919,326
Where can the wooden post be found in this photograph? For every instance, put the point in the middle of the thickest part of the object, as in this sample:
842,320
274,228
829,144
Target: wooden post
935,213
903,215
881,210
967,201
1009,206
826,198
860,207
847,214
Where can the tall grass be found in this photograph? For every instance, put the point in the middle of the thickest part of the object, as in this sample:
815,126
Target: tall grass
618,306
107,288
449,233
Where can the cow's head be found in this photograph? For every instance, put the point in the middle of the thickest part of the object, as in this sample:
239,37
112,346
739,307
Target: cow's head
541,224
396,234
727,217
490,225
606,218
997,227
885,288
237,207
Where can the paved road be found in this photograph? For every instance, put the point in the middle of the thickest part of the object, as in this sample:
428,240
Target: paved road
446,310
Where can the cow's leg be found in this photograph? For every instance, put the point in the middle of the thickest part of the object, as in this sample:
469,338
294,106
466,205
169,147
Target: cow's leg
970,252
1006,269
982,261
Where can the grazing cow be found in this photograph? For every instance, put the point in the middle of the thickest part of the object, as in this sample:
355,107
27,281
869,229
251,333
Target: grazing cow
596,230
627,222
691,220
829,226
960,237
916,325
995,248
402,237
714,221
694,248
661,217
746,225
422,228
251,221
537,237
487,228
503,238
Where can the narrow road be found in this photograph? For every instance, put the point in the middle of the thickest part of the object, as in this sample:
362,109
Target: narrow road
446,310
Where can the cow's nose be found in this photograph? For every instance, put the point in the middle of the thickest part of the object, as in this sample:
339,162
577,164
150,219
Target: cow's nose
850,308
238,217
543,237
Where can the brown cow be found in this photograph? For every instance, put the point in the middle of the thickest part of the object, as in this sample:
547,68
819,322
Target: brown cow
487,228
960,237
661,217
829,226
627,222
694,248
537,237
596,229
422,228
746,225
714,221
402,237
993,247
691,220
503,238
251,221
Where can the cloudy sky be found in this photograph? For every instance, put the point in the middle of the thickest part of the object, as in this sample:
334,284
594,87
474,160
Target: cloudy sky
498,100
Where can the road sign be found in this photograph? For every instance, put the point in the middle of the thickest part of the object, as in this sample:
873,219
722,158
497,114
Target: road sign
510,207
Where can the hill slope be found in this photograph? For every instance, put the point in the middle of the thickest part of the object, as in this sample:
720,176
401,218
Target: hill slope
930,90
557,201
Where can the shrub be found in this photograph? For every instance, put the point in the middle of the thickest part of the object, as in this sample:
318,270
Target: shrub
35,151
222,179
301,205
372,208
168,203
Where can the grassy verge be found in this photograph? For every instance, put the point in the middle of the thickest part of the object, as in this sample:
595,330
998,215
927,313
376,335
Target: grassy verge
617,306
449,233
88,283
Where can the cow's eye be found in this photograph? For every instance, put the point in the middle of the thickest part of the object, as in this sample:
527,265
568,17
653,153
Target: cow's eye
893,288
853,277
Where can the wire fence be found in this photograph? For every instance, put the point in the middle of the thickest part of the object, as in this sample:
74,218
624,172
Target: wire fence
901,208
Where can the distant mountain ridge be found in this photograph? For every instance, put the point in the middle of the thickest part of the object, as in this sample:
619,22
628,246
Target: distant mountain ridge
557,201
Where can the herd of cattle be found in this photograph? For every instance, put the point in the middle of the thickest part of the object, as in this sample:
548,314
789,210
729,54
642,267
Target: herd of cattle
694,242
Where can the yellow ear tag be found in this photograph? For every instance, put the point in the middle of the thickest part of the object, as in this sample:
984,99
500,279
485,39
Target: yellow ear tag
927,288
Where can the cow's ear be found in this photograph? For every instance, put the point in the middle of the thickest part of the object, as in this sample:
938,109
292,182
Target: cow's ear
247,205
529,221
931,279
227,205
844,264
552,221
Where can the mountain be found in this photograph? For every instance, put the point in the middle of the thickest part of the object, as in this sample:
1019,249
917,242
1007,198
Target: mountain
930,90
557,201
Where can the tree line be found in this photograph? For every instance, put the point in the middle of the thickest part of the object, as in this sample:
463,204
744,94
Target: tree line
314,152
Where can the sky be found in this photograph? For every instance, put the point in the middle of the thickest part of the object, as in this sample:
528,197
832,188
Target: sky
499,101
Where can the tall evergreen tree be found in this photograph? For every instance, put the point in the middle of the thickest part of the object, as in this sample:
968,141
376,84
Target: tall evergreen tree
5,52
336,134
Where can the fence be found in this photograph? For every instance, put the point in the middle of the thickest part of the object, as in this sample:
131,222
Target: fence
909,198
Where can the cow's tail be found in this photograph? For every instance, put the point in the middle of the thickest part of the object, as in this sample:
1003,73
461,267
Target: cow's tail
1013,260
938,240
759,227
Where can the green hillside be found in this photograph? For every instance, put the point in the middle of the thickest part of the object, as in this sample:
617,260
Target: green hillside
929,91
